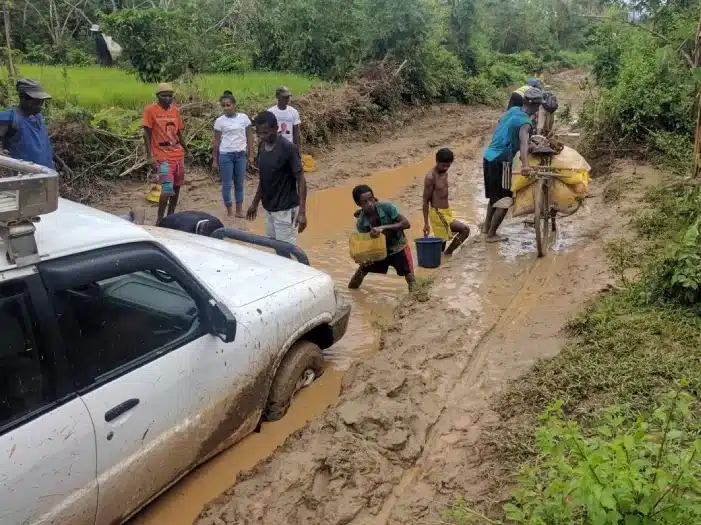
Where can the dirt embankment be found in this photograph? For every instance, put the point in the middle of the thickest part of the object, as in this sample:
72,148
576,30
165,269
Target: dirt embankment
407,434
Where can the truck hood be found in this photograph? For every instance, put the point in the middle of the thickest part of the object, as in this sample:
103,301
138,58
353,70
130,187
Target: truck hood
234,273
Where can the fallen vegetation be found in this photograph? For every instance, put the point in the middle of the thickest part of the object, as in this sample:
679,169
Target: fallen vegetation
94,149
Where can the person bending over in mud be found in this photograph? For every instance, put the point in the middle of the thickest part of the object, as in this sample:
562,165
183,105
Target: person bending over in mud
511,137
437,213
383,218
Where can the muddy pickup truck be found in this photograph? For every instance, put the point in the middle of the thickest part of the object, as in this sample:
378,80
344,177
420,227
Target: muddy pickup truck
130,355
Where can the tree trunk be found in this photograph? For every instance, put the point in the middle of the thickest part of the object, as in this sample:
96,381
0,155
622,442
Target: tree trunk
8,42
696,167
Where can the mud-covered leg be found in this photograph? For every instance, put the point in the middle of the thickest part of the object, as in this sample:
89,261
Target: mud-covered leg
357,278
488,218
462,232
497,218
411,281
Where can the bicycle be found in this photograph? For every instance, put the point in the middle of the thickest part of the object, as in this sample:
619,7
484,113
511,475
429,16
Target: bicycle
546,212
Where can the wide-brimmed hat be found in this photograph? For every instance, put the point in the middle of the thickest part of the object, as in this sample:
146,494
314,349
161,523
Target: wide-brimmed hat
31,88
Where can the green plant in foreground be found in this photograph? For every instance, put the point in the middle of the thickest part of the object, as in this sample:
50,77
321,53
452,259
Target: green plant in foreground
622,255
645,473
677,274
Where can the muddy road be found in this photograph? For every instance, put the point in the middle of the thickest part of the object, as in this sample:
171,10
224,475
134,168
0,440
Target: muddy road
402,438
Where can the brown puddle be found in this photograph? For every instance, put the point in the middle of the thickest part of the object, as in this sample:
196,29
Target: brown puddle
330,215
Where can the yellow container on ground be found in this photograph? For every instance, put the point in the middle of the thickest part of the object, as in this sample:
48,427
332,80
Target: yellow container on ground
309,163
365,249
154,194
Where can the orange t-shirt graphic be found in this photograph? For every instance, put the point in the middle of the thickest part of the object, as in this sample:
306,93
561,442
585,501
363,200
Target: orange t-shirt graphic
164,125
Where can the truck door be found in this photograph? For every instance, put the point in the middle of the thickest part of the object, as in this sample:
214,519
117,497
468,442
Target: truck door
137,329
47,440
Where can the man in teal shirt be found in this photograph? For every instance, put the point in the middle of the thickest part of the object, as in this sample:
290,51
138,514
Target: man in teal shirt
383,218
511,137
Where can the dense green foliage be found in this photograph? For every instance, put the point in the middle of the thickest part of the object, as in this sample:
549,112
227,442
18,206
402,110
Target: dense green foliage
636,473
462,50
647,83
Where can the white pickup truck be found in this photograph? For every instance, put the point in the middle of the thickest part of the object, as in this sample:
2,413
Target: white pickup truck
129,355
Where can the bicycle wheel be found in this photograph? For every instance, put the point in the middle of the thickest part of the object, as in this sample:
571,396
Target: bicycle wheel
542,213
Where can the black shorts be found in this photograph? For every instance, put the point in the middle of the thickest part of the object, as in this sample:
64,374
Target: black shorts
402,262
497,178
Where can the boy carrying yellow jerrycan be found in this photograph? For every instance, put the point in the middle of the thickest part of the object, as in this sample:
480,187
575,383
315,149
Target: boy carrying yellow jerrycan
366,249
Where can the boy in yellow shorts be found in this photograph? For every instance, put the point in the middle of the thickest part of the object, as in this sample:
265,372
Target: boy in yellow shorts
438,217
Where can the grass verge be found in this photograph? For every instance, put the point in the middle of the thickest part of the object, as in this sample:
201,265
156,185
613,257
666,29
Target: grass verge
589,430
96,88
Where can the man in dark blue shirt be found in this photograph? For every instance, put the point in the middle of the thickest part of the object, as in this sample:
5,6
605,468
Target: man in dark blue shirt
22,128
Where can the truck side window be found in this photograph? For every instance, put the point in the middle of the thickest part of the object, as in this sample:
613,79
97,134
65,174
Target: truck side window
25,383
110,323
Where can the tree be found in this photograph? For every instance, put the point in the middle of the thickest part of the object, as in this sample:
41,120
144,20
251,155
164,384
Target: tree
59,19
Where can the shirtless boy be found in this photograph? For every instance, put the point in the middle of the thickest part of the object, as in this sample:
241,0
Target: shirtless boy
437,213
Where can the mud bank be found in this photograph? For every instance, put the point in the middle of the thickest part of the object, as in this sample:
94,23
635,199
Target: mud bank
404,437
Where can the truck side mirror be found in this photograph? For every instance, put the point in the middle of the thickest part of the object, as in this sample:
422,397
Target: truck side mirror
222,322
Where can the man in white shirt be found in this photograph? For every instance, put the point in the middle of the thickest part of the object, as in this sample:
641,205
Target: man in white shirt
288,120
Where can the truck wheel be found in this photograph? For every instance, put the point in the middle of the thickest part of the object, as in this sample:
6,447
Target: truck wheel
302,364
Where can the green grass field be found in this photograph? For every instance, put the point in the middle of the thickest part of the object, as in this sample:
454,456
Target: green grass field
97,88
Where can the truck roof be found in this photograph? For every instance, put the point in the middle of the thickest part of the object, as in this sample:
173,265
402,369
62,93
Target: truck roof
75,228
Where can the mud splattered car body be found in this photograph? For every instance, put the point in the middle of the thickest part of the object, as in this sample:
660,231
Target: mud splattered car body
130,355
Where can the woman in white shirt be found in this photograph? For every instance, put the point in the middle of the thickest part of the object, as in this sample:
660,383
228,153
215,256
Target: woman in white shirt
233,148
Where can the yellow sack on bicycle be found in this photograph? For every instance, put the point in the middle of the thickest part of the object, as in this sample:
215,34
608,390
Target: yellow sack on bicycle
519,182
568,166
564,196
524,201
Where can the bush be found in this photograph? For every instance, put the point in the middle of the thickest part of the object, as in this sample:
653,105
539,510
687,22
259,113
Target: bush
527,61
642,473
230,61
158,43
676,275
436,74
648,104
481,90
503,75
574,59
78,57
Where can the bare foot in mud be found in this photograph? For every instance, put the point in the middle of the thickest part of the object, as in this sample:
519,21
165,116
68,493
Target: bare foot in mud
240,215
497,238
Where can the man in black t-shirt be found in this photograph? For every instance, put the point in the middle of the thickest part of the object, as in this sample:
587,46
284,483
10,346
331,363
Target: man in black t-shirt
281,183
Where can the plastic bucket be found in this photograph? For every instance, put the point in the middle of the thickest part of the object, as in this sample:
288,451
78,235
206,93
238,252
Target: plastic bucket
429,251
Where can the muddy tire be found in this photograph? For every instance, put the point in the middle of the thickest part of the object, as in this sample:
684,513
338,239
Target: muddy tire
542,210
302,364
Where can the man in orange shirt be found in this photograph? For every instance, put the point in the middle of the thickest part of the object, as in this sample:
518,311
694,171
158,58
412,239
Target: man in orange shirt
165,148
